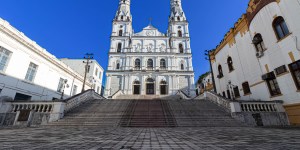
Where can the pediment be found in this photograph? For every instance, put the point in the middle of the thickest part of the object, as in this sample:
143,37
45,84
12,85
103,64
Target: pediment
149,31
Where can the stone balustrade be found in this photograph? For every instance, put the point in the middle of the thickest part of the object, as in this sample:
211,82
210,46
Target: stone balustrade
258,107
41,112
222,102
76,100
257,113
36,106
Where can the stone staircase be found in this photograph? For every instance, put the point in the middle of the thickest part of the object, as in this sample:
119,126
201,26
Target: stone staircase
148,113
147,97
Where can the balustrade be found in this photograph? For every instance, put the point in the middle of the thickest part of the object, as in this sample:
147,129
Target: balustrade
258,107
245,106
45,107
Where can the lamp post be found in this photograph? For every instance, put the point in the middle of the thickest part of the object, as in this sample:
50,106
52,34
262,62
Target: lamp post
65,85
88,61
207,54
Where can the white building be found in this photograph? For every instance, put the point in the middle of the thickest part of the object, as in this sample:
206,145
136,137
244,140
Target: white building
260,56
150,62
29,72
94,71
206,83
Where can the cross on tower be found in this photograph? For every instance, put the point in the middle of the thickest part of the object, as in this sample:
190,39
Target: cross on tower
150,21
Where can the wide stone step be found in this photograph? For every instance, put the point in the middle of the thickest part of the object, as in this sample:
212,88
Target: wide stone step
148,113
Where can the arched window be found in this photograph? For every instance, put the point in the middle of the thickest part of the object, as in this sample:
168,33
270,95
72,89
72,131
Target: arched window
280,28
119,47
220,71
150,80
163,83
178,18
182,66
121,33
136,88
230,64
136,83
179,33
122,17
118,66
258,43
163,88
150,64
180,48
137,64
163,64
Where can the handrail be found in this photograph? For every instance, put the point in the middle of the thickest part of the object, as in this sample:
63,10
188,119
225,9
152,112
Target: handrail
114,94
220,101
76,100
245,106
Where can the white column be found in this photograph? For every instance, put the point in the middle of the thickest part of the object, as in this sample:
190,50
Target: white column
130,62
122,82
157,92
143,84
173,63
170,84
191,64
156,65
125,84
169,63
129,85
108,86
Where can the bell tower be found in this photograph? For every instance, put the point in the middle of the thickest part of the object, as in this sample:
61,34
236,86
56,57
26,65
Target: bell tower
122,23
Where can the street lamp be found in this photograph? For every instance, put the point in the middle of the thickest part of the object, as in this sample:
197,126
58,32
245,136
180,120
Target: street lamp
65,85
88,57
207,54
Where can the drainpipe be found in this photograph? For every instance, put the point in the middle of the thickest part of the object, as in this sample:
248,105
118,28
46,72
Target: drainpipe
296,41
72,85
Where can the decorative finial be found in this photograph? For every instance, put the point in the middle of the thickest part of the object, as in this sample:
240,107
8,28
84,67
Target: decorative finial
150,21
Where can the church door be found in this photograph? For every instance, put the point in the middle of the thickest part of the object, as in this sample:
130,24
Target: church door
136,89
150,89
163,88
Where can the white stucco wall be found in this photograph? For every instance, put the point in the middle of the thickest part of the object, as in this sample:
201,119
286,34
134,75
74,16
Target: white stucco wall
50,69
250,68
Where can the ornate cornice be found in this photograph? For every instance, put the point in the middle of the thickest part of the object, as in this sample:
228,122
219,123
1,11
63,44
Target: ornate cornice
242,25
255,6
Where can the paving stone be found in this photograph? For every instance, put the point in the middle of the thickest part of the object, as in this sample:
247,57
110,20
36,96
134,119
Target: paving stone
218,138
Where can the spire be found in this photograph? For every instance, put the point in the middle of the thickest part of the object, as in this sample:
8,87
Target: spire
177,13
123,13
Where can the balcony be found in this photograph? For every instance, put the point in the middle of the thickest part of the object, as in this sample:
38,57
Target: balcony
137,68
150,68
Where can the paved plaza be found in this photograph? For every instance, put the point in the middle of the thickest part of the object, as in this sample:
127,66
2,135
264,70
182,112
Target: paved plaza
150,138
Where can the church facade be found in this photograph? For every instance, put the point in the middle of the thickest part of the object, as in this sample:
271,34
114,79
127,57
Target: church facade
150,62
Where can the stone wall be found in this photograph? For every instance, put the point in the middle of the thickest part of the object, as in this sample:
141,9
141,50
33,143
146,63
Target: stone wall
262,119
7,119
39,119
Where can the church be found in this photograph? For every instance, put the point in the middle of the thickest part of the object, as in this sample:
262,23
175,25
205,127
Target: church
150,63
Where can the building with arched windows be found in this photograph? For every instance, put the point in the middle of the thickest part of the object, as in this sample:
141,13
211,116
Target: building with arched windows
259,58
150,62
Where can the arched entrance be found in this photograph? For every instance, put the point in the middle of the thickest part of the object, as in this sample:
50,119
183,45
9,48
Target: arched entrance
136,88
150,86
163,88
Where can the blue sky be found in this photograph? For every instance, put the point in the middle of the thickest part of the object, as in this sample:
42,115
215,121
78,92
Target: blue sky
71,28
